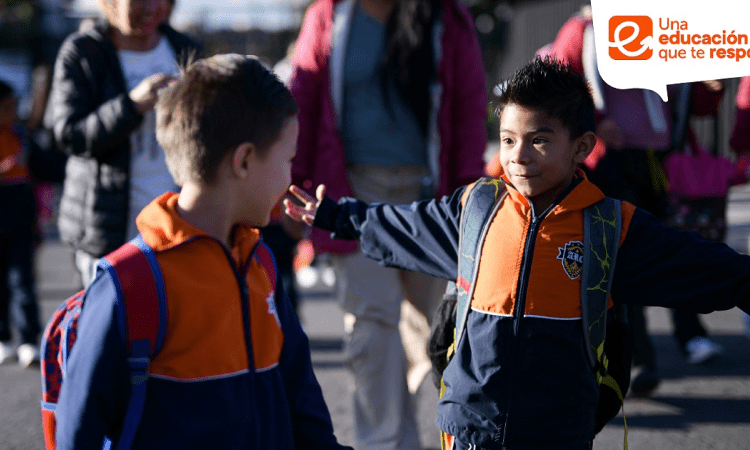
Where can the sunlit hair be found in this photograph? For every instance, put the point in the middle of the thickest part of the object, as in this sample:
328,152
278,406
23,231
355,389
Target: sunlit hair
553,88
217,104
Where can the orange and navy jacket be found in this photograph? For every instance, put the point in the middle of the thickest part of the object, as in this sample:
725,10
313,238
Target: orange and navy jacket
234,370
520,378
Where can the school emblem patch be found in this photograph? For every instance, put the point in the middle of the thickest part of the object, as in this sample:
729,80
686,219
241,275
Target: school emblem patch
572,258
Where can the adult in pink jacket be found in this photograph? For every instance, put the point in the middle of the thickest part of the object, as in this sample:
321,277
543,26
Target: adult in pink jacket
740,142
393,108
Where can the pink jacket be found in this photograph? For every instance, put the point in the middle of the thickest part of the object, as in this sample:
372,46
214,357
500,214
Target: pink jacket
740,140
458,135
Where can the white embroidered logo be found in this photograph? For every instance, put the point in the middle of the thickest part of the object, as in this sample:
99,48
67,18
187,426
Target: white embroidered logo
272,307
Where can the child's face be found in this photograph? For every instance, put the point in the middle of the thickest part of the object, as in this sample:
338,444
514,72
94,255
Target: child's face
272,175
8,113
139,17
537,154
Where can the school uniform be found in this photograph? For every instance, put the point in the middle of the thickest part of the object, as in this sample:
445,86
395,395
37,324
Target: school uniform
519,378
234,370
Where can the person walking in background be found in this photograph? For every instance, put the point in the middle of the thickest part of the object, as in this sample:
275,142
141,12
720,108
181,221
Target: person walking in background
740,142
393,108
17,219
636,130
105,84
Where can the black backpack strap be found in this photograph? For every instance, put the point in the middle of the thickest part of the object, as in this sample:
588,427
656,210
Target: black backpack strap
479,208
601,236
602,226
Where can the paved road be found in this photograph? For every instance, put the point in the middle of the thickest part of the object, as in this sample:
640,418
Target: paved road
695,407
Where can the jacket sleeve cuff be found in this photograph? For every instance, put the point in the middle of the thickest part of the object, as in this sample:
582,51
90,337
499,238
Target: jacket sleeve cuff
325,217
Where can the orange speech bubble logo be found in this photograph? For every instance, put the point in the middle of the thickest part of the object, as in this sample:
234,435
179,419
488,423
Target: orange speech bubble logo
630,37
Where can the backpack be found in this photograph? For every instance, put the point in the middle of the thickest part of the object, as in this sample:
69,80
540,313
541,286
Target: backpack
141,297
608,341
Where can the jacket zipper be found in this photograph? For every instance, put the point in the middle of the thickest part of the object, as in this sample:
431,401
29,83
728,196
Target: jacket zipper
520,307
245,304
244,293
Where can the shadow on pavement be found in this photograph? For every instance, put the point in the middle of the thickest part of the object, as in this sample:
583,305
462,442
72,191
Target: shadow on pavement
693,411
326,345
735,360
327,353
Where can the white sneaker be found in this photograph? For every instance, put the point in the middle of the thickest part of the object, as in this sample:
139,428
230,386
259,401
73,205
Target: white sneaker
28,355
701,350
7,354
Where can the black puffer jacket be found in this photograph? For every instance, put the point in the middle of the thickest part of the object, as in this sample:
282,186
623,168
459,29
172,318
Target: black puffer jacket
93,117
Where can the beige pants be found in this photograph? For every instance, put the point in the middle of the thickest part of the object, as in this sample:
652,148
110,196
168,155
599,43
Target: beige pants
373,298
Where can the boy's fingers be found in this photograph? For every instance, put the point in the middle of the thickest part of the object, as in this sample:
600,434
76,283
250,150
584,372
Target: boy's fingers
320,193
291,210
298,213
300,194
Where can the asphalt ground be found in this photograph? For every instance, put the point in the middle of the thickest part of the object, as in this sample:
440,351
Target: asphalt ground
694,407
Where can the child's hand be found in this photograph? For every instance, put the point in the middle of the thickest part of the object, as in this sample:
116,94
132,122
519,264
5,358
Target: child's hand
305,212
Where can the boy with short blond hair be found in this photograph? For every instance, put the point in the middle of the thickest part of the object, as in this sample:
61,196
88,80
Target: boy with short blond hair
234,370
520,378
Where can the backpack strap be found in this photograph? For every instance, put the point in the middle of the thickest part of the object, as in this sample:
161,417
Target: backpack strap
481,203
601,236
266,259
480,206
141,299
602,226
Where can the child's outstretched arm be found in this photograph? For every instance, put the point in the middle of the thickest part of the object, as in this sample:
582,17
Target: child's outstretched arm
660,266
421,237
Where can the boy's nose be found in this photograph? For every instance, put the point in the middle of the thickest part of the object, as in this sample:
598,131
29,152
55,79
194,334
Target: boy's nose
522,153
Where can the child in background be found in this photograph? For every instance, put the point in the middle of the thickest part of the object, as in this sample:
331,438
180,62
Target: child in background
234,370
17,225
520,377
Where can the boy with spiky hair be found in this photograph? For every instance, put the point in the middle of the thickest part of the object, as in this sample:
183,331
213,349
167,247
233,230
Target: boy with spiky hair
234,370
520,377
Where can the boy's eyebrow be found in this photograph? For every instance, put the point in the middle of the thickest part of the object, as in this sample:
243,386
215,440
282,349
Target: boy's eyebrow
535,130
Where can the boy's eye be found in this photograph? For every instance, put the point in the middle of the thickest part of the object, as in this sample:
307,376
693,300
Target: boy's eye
540,140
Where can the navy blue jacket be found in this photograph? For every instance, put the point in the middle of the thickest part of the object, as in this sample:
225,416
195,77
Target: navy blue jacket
520,378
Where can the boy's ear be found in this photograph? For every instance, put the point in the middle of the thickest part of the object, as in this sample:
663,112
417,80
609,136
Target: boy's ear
584,144
241,157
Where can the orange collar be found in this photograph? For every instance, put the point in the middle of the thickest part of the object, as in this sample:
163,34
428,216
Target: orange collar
580,197
162,228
